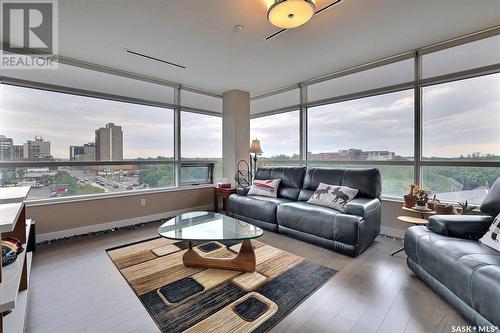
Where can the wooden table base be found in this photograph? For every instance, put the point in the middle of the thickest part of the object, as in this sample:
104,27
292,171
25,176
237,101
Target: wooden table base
244,261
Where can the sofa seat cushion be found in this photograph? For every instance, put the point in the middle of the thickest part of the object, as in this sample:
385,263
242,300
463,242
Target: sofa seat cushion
457,263
319,221
255,207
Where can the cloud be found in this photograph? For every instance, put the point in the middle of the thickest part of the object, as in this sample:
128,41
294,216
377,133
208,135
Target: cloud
66,120
279,134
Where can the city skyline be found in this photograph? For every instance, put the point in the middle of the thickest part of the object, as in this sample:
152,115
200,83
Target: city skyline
109,147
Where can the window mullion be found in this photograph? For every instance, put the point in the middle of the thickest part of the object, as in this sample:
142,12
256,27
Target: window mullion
303,126
417,151
177,137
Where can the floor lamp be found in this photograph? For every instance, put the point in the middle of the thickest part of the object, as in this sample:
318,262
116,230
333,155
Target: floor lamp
255,149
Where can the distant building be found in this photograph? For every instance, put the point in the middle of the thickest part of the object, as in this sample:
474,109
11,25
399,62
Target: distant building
378,155
109,143
37,149
354,155
82,153
75,151
6,148
17,152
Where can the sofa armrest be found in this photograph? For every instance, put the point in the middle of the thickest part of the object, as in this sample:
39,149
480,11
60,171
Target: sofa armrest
360,206
460,226
370,210
243,190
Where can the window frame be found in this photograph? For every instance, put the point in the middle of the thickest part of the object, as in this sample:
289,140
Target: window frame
176,161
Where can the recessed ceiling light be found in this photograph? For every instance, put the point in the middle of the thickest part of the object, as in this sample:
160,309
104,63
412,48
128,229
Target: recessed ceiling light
238,27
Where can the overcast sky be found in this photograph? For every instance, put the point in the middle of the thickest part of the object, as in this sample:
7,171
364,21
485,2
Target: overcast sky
67,120
460,117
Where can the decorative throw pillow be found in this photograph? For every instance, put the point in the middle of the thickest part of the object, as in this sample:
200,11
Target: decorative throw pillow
266,188
332,196
492,237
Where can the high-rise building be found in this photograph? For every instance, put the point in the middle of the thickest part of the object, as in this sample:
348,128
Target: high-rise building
36,149
74,152
109,143
6,148
82,153
17,152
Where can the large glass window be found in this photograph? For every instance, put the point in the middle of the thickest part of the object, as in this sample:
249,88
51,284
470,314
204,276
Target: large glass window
461,119
201,139
282,100
68,76
483,52
396,179
279,135
70,180
201,136
372,128
51,127
199,101
378,77
50,133
45,125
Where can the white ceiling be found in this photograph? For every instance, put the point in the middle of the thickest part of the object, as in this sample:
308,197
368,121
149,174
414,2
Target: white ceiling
199,34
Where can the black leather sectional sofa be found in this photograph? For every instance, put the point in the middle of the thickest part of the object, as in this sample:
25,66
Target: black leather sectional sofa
448,257
349,231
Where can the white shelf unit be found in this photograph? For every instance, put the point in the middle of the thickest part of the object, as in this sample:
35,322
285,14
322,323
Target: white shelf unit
15,322
14,277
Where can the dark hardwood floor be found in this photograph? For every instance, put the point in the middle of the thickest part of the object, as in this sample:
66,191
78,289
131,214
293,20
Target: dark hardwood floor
76,288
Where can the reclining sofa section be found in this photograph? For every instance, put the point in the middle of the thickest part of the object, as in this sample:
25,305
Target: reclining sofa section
349,231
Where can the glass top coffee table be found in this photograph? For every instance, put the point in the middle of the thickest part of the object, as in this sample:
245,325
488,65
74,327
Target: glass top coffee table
208,226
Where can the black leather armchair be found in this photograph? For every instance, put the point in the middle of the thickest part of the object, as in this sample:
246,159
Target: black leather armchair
448,257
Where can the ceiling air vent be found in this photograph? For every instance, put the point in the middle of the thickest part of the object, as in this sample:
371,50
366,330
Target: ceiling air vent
154,58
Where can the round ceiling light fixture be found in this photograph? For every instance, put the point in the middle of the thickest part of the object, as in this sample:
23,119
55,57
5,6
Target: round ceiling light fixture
289,14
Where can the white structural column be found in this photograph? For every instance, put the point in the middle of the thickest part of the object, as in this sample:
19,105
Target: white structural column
235,130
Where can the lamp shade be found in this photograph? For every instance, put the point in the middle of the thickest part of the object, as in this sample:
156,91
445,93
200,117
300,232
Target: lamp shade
255,147
289,14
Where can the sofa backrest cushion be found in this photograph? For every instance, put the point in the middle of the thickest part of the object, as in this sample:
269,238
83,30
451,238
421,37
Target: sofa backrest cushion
491,204
291,179
367,181
314,176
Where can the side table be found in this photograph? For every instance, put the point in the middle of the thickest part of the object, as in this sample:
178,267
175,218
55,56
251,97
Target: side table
223,193
414,220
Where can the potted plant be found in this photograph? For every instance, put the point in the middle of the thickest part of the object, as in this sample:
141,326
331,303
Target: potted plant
443,209
422,199
465,209
432,202
411,198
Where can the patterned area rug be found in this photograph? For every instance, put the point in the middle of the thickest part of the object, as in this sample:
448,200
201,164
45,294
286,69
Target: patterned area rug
188,299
